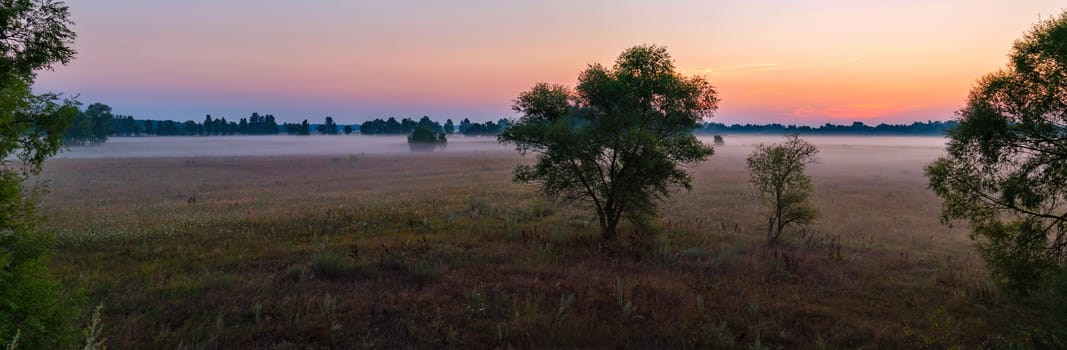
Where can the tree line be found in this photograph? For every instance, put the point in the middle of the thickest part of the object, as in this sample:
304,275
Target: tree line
96,123
406,126
936,128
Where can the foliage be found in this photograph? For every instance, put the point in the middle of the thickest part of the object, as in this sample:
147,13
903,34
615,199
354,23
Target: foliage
34,35
91,126
334,266
424,134
1006,169
329,127
777,175
256,124
466,127
619,140
718,140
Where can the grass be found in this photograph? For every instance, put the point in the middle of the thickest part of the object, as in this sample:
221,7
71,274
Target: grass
442,250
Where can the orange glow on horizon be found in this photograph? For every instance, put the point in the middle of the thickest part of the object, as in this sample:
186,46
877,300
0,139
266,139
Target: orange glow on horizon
804,62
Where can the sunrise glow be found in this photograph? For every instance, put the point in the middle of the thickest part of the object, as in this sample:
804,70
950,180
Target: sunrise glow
792,62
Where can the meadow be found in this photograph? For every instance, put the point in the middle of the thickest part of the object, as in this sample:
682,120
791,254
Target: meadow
355,248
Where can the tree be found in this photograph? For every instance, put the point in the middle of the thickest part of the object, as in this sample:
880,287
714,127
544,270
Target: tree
34,35
464,125
617,142
348,129
449,127
1006,169
328,128
777,175
100,117
209,125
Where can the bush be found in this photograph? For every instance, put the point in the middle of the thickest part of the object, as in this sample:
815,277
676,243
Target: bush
332,266
33,305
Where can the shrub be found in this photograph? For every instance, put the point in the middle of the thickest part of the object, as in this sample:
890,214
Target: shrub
332,266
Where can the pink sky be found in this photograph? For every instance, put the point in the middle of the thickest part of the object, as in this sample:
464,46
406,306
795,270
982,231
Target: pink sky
805,62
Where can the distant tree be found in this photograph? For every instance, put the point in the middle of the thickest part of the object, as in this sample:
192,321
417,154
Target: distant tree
209,126
34,36
718,140
449,127
348,129
149,128
423,138
1006,168
91,126
777,175
328,128
191,128
464,125
619,140
423,134
393,127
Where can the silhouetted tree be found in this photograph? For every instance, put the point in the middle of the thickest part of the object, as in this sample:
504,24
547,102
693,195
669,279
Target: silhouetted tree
464,125
91,126
348,129
1006,168
328,128
449,127
617,142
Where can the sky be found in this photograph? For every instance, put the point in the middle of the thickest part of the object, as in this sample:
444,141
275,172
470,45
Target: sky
793,62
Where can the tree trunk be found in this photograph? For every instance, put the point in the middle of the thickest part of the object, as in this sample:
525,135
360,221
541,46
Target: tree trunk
770,231
607,231
609,224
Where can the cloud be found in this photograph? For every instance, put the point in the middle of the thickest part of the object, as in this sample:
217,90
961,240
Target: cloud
737,68
858,111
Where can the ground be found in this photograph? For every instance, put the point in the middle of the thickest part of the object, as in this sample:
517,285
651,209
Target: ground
437,250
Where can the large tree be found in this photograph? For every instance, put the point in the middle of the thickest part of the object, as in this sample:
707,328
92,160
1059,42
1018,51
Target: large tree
1006,168
34,35
620,140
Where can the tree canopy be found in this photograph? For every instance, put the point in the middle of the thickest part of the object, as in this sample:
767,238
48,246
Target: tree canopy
34,35
619,140
1006,168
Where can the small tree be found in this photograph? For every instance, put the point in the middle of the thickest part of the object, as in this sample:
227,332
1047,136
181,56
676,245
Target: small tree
619,140
348,129
778,178
718,140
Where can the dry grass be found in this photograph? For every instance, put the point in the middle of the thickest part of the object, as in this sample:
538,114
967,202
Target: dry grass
442,250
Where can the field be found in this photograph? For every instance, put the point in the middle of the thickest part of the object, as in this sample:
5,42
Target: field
438,250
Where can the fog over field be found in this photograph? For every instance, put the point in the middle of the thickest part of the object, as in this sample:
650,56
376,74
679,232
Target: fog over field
872,156
898,148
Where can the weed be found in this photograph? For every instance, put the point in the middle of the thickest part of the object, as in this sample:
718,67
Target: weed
695,252
629,311
936,334
296,273
758,345
713,335
332,266
565,302
93,338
